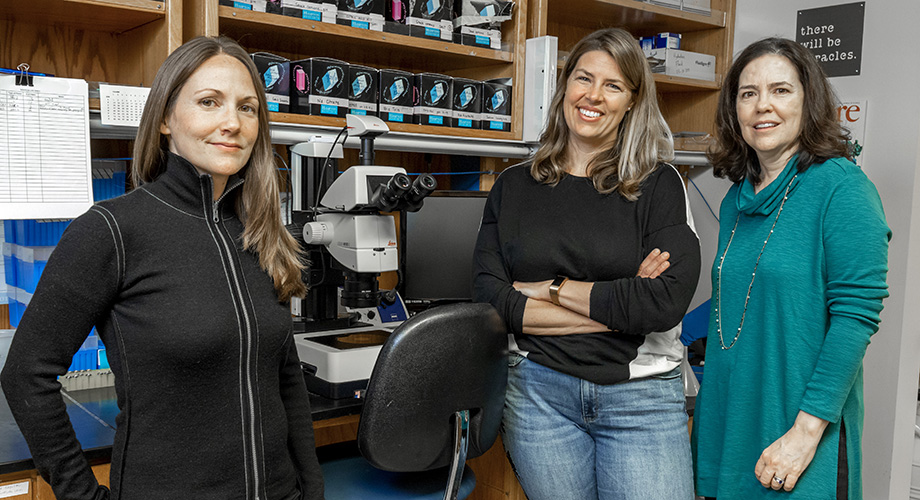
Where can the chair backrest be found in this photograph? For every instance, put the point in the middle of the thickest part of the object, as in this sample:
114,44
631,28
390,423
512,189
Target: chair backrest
441,361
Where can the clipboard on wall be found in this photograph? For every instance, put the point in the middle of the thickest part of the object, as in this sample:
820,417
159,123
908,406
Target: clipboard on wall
45,161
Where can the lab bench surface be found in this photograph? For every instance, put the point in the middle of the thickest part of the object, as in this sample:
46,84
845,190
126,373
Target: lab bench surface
92,413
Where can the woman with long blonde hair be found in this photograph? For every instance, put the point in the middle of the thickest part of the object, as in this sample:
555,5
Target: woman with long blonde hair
595,406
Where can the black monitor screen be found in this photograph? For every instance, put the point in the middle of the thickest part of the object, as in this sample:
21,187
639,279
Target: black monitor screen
438,243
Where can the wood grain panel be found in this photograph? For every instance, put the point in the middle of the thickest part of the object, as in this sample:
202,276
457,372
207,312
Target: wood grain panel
5,317
336,430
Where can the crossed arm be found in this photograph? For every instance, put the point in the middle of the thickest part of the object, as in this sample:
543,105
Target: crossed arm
542,317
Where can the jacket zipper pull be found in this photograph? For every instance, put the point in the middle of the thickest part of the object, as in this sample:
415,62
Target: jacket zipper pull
215,212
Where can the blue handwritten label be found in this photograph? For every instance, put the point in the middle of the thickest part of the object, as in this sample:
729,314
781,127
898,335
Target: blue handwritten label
483,40
357,111
463,122
328,109
436,120
496,125
361,24
241,5
313,15
273,106
395,117
433,32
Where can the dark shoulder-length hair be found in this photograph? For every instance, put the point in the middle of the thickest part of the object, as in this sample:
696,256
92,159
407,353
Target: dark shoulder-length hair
821,138
258,206
643,138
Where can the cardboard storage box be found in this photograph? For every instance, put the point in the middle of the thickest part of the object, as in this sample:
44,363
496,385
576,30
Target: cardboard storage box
698,6
660,41
366,14
489,38
270,6
319,86
275,71
431,19
496,106
396,88
435,99
467,112
682,63
322,11
363,86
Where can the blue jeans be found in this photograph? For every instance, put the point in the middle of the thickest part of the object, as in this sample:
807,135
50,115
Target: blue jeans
568,438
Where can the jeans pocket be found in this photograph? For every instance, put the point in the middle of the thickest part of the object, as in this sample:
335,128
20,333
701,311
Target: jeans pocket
675,373
514,359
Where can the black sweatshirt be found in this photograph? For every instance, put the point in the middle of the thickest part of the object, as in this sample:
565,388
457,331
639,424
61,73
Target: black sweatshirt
212,399
534,232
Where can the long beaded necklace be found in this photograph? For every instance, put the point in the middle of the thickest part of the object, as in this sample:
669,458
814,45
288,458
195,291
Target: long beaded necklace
753,274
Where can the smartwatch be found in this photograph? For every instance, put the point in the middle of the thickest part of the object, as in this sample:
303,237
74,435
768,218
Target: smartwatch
554,288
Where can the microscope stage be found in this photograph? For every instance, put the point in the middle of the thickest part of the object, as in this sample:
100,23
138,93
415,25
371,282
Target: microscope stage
344,359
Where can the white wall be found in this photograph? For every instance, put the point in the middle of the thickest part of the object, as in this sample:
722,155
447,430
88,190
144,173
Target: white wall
890,82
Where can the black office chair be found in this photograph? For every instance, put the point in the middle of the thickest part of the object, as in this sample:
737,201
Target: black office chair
434,399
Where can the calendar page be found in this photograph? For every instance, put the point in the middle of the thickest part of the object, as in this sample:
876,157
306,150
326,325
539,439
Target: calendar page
121,105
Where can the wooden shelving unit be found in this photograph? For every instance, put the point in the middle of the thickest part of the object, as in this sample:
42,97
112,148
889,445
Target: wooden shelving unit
115,41
688,104
298,38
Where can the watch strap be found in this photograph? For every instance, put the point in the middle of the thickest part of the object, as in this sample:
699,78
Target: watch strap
554,288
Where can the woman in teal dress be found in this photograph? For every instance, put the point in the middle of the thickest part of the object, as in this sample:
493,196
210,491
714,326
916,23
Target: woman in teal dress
797,288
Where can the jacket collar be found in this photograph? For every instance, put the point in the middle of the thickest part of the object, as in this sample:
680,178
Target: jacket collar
181,184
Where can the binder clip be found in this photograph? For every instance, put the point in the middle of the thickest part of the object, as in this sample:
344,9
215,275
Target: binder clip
23,77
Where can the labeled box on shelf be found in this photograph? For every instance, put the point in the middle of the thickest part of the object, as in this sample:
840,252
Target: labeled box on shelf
667,41
682,63
660,41
674,4
363,85
698,6
435,99
275,72
431,19
365,14
270,6
319,86
496,105
489,38
395,27
322,11
467,112
396,88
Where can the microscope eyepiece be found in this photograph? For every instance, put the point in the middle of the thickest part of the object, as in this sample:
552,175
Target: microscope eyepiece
388,195
423,186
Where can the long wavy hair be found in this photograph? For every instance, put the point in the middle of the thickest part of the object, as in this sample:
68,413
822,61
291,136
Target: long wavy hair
259,205
821,138
643,139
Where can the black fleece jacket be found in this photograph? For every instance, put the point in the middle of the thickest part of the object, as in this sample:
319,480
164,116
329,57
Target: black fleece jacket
212,399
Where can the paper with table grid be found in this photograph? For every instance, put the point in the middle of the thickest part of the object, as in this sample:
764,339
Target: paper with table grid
44,149
122,105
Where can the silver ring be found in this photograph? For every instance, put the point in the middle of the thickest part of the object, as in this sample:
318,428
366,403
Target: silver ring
778,480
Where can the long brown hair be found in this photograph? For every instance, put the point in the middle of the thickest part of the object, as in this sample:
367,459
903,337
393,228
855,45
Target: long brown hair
822,137
258,206
643,138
